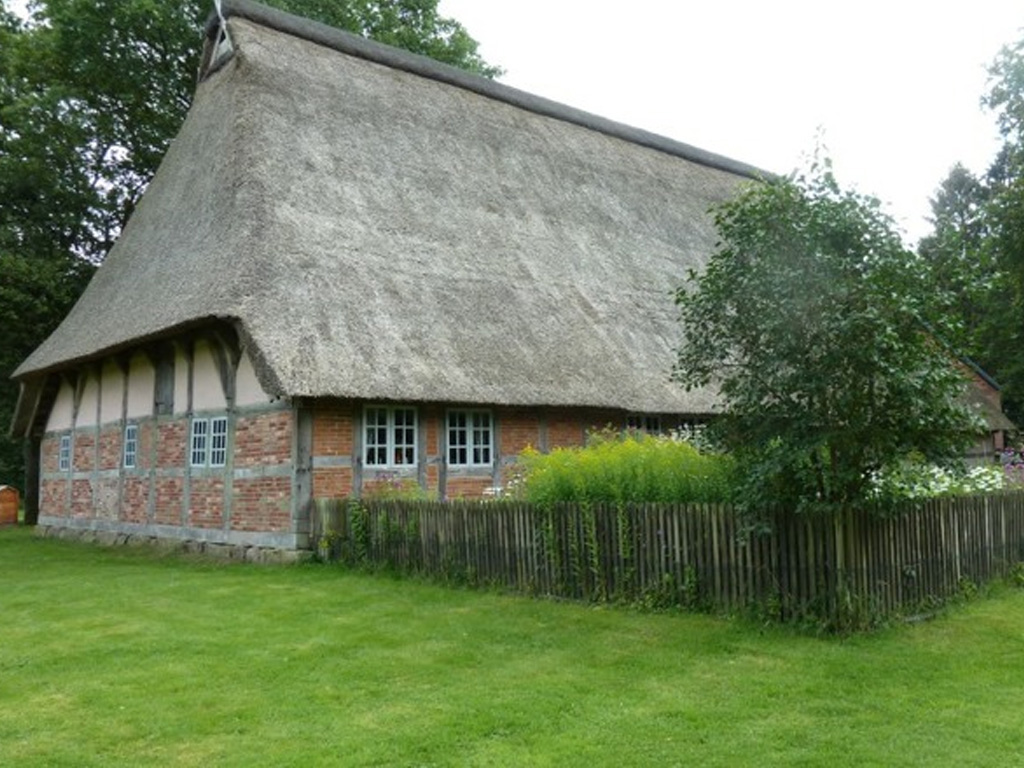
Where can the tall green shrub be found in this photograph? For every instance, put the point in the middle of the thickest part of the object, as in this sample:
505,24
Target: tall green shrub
821,334
627,468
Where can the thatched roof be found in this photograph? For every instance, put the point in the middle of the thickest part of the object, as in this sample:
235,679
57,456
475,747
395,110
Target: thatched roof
380,226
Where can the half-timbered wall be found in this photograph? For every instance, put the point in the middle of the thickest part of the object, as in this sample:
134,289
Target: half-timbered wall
339,455
122,450
134,460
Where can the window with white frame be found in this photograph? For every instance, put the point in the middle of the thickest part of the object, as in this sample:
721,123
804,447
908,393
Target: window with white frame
470,438
199,440
131,445
64,453
644,422
208,442
389,437
218,441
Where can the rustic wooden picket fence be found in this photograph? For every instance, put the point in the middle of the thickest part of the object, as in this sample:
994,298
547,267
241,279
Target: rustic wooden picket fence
855,567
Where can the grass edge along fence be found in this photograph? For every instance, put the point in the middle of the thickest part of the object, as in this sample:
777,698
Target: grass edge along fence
846,570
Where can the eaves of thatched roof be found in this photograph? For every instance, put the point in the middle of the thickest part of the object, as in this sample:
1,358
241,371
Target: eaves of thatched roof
381,226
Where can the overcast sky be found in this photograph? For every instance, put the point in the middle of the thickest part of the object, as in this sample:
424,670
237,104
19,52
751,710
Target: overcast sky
894,86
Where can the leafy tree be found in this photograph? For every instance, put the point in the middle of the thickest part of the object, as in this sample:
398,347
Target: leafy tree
962,261
810,320
91,94
1005,215
977,247
414,25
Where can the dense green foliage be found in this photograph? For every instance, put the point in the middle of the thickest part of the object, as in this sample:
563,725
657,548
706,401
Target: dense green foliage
977,246
91,94
118,657
626,468
811,320
962,267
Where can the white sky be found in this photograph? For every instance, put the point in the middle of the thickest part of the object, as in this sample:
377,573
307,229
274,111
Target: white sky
894,86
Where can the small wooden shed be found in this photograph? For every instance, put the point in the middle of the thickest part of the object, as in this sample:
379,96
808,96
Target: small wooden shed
8,505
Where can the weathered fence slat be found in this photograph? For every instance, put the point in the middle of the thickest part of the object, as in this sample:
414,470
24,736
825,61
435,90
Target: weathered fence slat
623,552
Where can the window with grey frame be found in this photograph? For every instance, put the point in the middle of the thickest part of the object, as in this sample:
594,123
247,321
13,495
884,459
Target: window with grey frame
208,442
131,445
389,436
64,453
470,438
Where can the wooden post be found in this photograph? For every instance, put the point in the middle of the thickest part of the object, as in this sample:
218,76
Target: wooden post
839,529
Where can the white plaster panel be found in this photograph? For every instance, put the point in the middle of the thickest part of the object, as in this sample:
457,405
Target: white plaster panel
63,408
247,387
141,384
180,382
207,392
90,399
111,393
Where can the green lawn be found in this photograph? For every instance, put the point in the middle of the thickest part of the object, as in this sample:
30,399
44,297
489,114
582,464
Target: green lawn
126,657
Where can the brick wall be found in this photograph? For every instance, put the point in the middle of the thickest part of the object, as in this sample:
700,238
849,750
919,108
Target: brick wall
467,487
206,507
519,428
110,447
264,439
257,484
332,429
135,498
105,493
433,421
83,450
332,482
261,504
81,498
53,497
566,431
50,450
147,429
171,441
261,442
333,425
169,491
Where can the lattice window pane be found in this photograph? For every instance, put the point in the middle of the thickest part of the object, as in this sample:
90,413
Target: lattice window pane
64,457
458,438
200,432
469,438
390,436
218,441
131,445
405,436
481,437
376,448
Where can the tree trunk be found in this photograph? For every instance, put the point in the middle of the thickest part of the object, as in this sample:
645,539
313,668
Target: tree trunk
31,490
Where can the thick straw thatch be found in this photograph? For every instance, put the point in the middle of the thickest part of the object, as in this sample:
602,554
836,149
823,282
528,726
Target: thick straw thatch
379,226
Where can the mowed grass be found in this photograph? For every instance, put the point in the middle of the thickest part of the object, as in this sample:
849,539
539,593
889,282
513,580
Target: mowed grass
126,657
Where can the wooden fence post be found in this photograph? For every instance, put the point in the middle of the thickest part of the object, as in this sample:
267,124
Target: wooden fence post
839,529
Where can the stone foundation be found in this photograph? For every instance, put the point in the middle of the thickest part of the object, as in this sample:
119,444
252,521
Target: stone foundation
209,549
